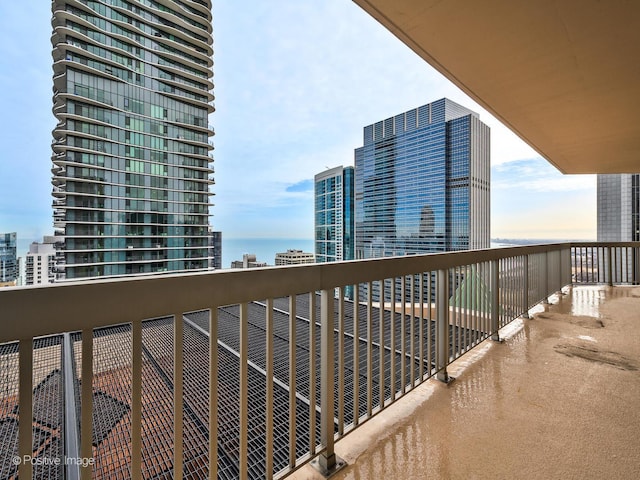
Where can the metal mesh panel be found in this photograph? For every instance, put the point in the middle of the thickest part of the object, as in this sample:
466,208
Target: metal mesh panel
48,408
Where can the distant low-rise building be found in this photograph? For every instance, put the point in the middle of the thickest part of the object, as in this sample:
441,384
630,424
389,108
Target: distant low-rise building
294,257
248,261
40,263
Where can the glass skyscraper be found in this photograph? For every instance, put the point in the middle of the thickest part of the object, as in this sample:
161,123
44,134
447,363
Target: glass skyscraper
422,183
8,257
334,219
619,208
131,150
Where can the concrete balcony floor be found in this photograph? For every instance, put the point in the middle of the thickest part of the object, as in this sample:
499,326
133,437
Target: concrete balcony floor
559,398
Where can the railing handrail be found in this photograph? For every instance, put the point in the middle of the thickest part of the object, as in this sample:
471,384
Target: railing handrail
33,311
406,319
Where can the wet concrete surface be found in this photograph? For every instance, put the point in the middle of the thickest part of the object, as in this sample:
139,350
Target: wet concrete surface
558,399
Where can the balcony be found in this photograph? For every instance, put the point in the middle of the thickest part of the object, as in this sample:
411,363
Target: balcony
550,402
282,362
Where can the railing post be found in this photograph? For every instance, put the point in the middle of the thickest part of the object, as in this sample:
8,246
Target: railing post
213,394
495,300
25,401
545,279
178,398
136,400
243,447
327,462
86,395
71,436
609,266
442,312
560,266
525,287
634,266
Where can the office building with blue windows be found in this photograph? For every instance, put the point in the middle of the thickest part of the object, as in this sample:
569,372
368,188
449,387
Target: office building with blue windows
132,162
334,219
8,258
422,183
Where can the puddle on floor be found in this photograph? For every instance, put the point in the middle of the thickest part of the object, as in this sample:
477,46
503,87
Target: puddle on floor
586,301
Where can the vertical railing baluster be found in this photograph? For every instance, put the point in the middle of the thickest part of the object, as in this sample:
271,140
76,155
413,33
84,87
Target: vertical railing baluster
327,461
86,395
609,266
442,326
341,365
25,402
356,355
381,348
464,306
525,286
292,381
312,373
495,299
370,349
178,388
403,334
431,329
580,249
243,441
474,300
412,331
213,397
392,339
471,312
421,326
71,421
269,387
545,285
136,399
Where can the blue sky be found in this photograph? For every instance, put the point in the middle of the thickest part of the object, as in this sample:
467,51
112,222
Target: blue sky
295,83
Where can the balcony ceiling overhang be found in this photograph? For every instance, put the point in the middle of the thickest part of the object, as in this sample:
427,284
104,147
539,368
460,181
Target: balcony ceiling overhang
564,75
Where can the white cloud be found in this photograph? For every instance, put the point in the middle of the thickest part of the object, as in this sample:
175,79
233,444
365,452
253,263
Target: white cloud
294,87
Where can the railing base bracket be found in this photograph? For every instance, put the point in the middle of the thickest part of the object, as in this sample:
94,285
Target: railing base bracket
496,338
446,379
328,472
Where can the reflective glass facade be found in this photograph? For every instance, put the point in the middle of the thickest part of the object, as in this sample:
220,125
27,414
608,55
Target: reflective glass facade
132,161
422,183
334,215
619,208
8,257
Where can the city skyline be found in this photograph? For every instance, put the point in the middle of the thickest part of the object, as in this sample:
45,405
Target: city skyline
290,101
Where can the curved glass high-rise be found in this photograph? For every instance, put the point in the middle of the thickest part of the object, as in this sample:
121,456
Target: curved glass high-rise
132,162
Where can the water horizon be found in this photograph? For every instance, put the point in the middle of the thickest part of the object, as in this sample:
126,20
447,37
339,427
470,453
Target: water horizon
265,249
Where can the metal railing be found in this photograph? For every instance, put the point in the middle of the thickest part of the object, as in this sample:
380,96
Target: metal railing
280,362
